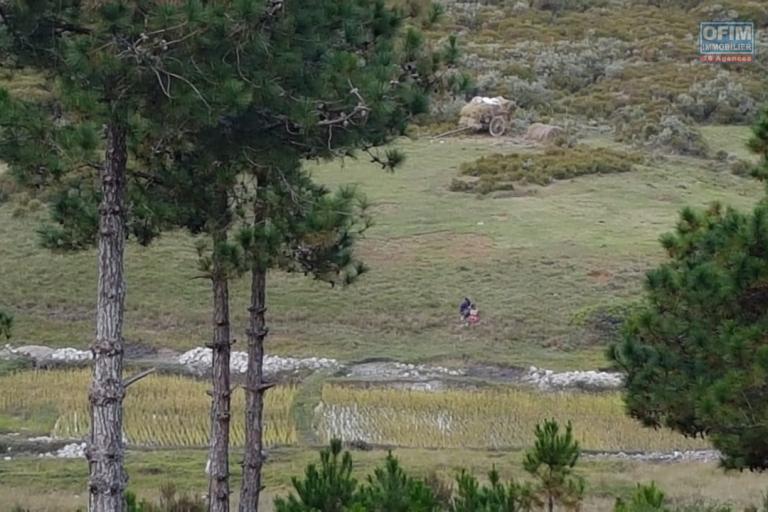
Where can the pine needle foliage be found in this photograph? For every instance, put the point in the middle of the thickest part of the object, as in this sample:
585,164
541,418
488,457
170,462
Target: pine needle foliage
696,355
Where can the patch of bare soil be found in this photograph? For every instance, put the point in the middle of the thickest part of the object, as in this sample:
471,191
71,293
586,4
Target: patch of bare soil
600,276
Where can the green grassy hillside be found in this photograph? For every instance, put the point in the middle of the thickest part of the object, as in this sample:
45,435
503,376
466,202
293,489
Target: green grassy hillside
533,263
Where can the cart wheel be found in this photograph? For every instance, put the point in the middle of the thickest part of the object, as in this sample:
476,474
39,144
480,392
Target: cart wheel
498,126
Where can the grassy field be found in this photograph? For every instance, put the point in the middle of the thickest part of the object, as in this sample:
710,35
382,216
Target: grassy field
57,485
532,263
160,411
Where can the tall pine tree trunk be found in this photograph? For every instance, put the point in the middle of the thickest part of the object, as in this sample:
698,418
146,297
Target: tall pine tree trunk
218,459
105,449
255,388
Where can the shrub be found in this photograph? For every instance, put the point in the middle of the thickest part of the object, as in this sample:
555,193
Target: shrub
742,168
6,324
634,125
571,5
647,498
501,172
722,100
527,94
496,497
676,136
434,13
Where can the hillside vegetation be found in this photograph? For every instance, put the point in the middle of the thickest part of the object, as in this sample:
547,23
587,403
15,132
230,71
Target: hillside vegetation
621,75
534,264
551,241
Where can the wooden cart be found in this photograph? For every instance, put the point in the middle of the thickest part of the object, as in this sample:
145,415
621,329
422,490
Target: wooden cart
492,115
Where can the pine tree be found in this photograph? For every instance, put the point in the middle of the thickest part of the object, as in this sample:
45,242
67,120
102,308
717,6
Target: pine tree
106,64
647,498
390,489
696,356
305,229
375,77
288,81
329,488
551,461
280,82
495,497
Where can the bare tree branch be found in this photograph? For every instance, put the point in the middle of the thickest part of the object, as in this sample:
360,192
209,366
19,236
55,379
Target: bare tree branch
138,377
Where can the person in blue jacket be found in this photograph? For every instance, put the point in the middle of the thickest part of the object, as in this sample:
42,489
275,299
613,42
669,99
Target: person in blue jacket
464,308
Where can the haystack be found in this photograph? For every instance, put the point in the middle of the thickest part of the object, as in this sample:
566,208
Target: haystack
540,132
477,113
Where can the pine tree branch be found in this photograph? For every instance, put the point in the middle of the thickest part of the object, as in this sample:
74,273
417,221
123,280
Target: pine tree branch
138,377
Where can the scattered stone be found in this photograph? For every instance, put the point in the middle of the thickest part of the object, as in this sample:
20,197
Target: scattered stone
547,380
401,371
40,353
200,360
70,354
40,439
70,451
36,352
675,456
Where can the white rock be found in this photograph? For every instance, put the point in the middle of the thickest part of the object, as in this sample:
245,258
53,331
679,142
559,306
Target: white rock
41,353
674,456
70,451
70,354
36,352
549,380
200,359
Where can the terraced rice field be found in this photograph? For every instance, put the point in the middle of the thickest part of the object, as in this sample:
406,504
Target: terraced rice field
484,418
171,411
160,410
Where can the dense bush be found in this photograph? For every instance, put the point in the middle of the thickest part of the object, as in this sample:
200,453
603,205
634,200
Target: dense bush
572,66
674,135
669,133
721,100
503,171
564,5
647,498
526,94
